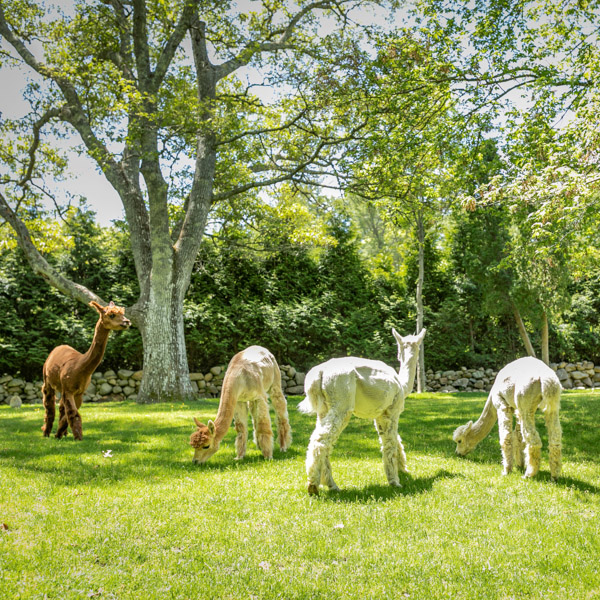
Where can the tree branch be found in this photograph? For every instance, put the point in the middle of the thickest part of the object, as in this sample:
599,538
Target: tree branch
39,264
140,45
168,52
37,126
250,50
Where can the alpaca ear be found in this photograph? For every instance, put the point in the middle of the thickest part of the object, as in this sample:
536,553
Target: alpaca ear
97,306
468,426
198,424
422,335
211,427
398,337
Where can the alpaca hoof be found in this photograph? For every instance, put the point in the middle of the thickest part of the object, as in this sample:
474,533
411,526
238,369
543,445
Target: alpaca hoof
395,484
313,490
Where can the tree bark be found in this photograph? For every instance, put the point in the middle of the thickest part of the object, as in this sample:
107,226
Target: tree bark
420,281
545,336
166,373
522,330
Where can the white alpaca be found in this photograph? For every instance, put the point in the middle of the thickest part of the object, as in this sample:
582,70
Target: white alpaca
252,377
369,389
521,387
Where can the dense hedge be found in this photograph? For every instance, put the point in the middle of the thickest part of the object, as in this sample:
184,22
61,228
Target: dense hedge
306,305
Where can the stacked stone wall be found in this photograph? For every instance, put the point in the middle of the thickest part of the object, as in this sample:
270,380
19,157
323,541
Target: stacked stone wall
124,384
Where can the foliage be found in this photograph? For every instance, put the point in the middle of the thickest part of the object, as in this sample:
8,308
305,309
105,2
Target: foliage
140,520
36,317
304,307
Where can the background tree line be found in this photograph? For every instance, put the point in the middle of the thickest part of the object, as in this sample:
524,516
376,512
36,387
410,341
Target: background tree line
461,144
306,299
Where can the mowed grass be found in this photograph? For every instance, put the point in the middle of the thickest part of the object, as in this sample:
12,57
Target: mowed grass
142,521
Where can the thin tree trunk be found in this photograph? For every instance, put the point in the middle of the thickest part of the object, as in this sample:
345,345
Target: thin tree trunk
523,331
420,280
545,335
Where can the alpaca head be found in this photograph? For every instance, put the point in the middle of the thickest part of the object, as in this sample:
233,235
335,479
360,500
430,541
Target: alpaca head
408,346
203,441
112,316
463,439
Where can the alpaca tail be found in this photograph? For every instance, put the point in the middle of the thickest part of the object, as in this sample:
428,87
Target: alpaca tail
313,391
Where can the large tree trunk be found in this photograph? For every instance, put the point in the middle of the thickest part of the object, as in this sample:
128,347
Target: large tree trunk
420,280
166,373
522,330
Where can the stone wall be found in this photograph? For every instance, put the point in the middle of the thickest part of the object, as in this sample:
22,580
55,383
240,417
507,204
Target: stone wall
582,375
124,384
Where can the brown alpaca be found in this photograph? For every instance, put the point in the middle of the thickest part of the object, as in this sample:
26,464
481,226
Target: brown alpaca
69,372
251,375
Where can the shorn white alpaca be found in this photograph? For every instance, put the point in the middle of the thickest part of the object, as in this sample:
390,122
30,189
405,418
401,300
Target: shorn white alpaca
370,389
520,388
252,377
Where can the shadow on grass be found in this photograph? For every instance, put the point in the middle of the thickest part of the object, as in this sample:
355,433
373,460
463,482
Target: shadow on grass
411,486
568,482
138,450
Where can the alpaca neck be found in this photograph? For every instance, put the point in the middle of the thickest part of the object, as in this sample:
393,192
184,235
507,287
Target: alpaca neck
407,372
484,424
226,409
93,357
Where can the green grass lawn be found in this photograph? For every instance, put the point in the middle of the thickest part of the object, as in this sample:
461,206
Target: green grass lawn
144,522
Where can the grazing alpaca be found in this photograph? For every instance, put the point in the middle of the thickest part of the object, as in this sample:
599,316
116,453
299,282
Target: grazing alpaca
369,389
521,387
252,375
69,372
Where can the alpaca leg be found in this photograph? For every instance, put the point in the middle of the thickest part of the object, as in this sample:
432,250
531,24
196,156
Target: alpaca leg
240,416
505,423
318,468
49,399
73,416
63,424
392,450
252,407
326,475
533,445
518,443
554,443
264,431
284,431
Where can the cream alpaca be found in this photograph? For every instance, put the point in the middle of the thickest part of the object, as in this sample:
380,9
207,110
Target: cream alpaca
520,388
369,389
252,375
